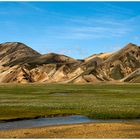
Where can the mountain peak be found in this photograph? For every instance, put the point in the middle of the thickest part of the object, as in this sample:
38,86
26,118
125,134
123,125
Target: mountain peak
129,47
131,44
7,46
11,51
11,44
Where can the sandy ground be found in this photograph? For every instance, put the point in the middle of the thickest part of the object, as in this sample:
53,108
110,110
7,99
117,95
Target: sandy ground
88,130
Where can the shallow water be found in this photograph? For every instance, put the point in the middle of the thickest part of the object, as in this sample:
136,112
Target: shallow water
74,119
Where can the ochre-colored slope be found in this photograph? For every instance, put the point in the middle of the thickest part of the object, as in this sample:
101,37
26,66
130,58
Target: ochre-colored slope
21,64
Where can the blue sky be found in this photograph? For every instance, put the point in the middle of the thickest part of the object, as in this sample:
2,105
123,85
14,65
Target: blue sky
76,29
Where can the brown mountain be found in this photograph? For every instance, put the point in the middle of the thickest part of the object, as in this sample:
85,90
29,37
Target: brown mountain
120,64
21,64
12,51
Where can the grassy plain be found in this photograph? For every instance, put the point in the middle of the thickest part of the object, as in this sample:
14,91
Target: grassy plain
102,101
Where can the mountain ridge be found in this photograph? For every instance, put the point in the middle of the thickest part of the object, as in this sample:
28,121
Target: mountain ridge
19,63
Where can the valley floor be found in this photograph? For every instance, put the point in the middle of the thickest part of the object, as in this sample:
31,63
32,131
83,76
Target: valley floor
98,101
89,130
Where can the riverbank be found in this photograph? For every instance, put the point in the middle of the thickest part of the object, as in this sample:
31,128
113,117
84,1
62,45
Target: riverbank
53,121
88,130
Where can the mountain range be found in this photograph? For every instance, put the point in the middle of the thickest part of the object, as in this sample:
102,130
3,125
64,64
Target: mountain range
21,64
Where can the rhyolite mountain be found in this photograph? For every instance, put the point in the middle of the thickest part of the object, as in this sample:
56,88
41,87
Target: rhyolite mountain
21,64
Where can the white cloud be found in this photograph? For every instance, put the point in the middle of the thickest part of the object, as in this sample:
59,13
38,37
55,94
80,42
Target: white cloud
88,32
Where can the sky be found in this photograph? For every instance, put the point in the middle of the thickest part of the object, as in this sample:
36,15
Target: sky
76,29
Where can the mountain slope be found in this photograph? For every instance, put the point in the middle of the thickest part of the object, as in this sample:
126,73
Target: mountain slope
121,63
102,56
21,64
13,51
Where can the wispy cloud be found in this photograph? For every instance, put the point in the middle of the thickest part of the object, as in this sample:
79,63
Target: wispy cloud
98,30
119,10
76,50
85,27
90,27
18,8
89,32
31,6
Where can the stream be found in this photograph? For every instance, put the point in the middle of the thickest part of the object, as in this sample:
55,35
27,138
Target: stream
73,119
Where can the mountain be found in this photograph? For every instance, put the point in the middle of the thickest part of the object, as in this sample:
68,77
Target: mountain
12,51
121,63
21,64
103,56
